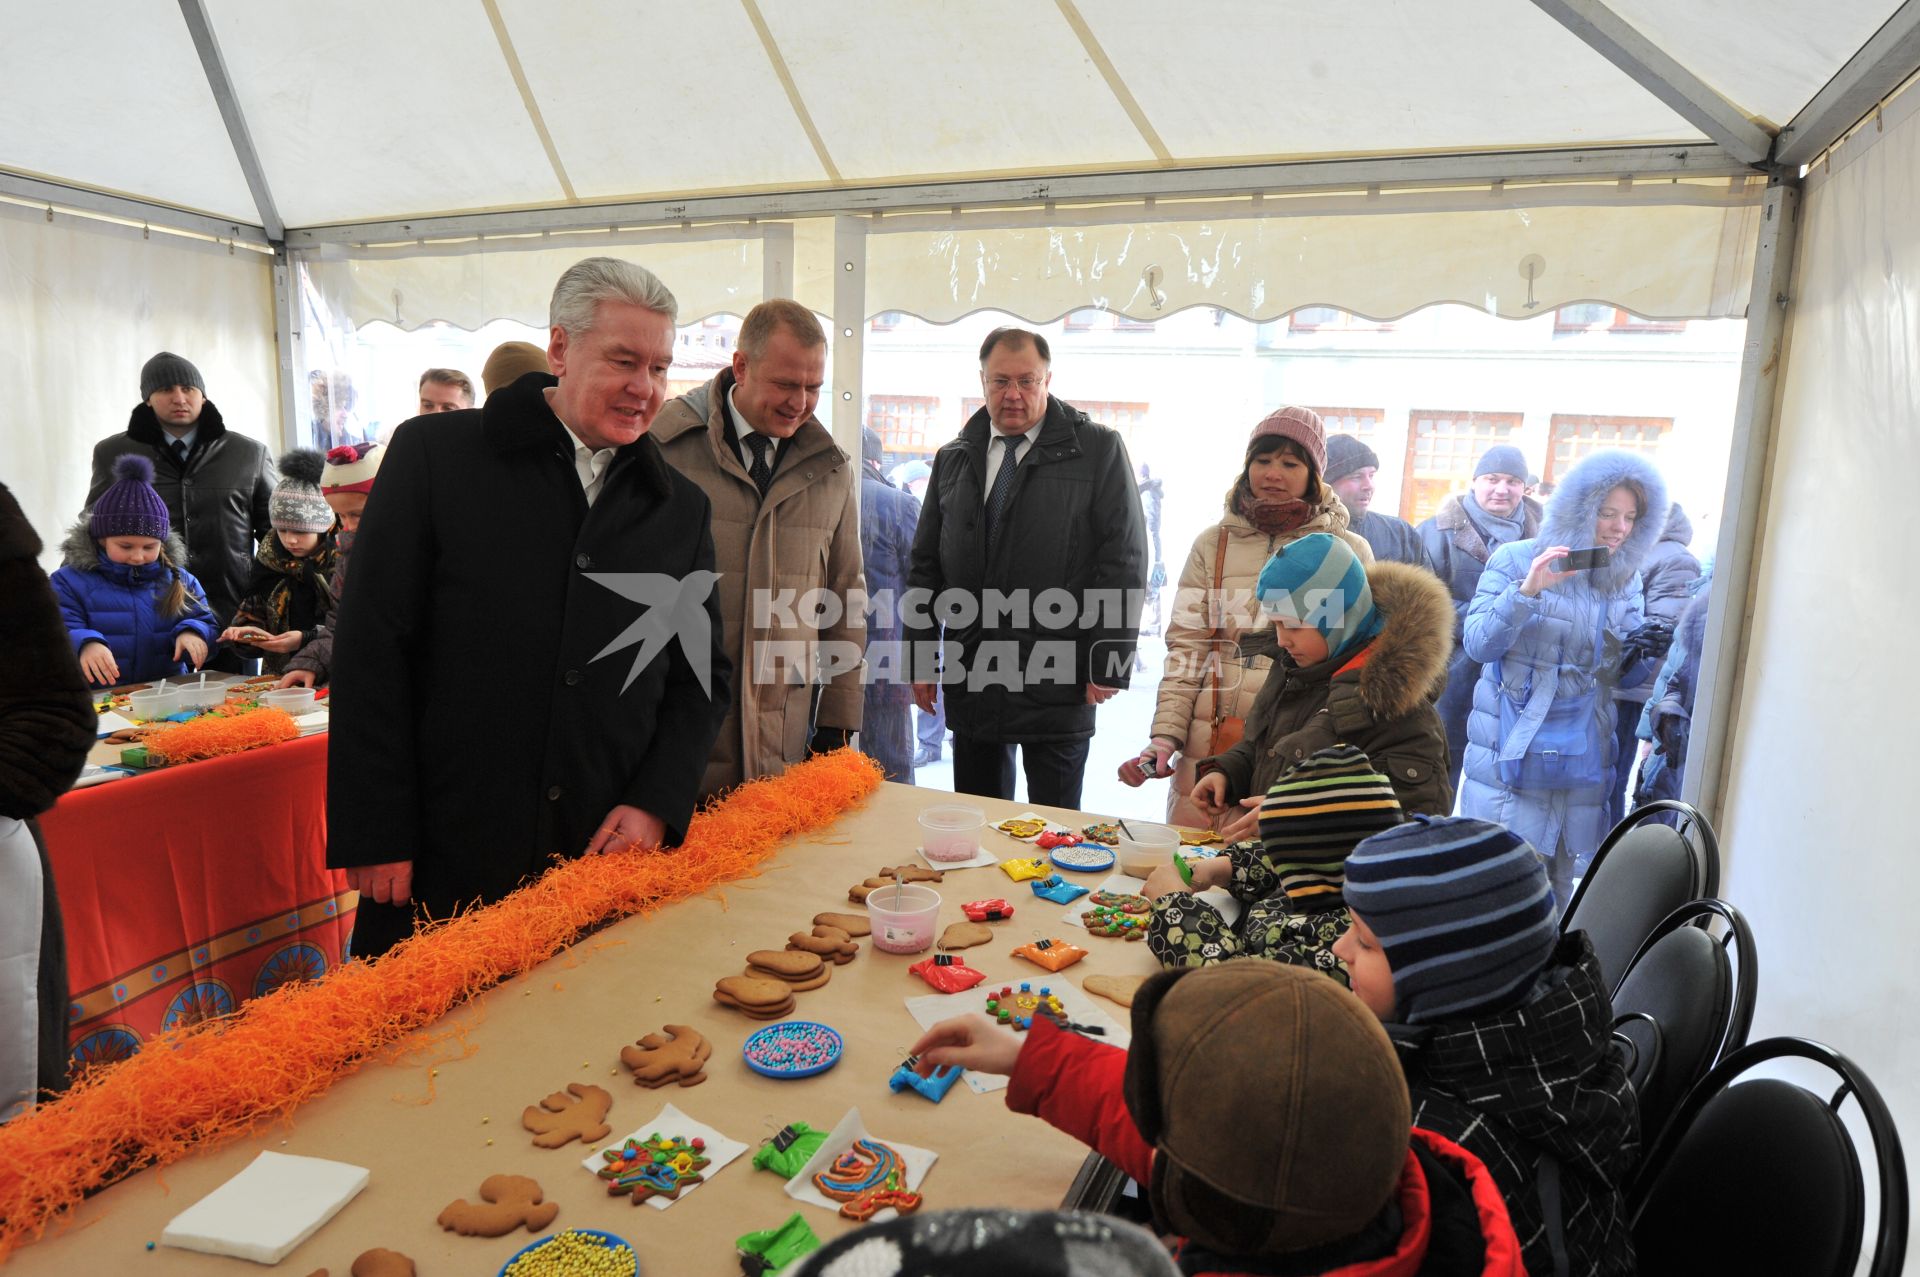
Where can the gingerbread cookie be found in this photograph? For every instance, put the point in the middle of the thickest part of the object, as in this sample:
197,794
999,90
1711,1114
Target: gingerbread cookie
1121,902
1015,827
679,1055
913,873
577,1113
657,1166
1114,988
798,970
382,1263
854,924
964,935
859,892
829,942
511,1200
751,996
1054,955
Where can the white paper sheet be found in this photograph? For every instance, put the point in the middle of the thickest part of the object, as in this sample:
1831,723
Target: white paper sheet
917,1162
267,1209
111,722
670,1122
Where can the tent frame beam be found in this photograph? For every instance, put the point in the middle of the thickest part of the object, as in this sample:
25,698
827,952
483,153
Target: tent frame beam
80,199
1656,71
200,26
1736,553
1673,160
1880,66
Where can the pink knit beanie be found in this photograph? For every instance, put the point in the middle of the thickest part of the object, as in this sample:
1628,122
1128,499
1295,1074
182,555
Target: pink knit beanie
1302,425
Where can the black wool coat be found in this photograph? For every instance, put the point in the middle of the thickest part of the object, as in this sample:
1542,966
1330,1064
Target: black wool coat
481,726
218,502
1073,524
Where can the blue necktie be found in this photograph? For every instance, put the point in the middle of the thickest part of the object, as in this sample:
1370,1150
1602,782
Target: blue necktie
1002,487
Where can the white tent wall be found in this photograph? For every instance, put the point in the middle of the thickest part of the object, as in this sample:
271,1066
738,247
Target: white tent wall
84,303
1819,842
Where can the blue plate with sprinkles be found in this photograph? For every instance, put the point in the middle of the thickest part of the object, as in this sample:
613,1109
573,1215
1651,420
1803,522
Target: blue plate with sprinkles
1083,857
606,1240
793,1048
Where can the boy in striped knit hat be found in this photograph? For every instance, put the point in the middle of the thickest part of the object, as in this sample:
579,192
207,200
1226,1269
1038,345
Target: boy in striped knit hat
1503,1027
1290,881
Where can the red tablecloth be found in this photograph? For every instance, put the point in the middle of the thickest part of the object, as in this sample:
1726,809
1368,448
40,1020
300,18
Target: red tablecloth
191,889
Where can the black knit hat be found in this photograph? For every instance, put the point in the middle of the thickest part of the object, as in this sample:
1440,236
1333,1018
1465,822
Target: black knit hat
1346,454
168,369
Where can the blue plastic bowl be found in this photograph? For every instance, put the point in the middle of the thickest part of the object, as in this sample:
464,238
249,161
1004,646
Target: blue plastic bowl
608,1238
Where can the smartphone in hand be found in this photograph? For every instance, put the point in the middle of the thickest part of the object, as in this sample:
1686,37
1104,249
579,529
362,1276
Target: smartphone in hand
1585,560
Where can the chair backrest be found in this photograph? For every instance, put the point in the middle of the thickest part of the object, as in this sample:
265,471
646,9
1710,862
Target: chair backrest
1642,872
1685,1003
1763,1176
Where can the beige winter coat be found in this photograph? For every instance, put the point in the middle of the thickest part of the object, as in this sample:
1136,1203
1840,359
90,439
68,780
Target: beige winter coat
805,535
1185,710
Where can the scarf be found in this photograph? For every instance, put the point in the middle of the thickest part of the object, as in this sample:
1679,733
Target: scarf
1496,530
1270,516
290,574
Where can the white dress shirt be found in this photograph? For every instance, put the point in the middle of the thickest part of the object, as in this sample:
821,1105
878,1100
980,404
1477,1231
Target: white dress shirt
996,450
740,432
589,464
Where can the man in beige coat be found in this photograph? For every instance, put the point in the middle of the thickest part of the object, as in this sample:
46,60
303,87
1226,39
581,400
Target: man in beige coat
786,540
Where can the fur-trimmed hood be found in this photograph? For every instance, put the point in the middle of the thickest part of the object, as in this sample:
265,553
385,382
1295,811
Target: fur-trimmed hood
1407,661
1575,505
81,552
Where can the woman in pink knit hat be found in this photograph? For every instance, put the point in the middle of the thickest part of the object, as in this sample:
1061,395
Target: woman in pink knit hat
1209,684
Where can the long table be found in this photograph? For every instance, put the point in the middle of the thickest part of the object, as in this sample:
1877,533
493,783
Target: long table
432,1126
188,890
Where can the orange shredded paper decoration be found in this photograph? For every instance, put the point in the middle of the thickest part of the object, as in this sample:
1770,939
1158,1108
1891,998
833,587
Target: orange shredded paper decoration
220,733
198,1088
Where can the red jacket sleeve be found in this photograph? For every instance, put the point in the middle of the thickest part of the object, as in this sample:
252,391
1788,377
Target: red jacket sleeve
1074,1084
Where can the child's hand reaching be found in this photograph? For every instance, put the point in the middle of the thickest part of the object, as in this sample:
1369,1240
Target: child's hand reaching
1209,794
295,678
970,1041
97,663
190,647
288,642
1245,824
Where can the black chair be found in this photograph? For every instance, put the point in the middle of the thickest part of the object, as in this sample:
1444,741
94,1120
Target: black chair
1684,1004
1643,871
1763,1177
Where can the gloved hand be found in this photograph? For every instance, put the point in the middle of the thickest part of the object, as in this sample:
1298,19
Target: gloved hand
1650,641
827,739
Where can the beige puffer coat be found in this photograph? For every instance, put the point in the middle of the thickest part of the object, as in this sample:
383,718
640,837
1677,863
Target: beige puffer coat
804,535
1185,710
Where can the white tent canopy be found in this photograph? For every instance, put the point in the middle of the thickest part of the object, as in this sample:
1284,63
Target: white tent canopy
362,110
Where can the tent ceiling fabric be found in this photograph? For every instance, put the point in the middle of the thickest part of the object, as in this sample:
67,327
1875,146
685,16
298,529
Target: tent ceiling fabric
367,110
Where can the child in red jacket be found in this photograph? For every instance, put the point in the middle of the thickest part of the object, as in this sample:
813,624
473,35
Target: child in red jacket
1263,1111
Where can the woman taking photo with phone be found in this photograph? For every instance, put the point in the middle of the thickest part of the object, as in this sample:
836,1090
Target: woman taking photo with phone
1210,683
1552,623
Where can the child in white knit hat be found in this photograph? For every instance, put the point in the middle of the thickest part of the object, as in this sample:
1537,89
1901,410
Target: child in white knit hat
289,594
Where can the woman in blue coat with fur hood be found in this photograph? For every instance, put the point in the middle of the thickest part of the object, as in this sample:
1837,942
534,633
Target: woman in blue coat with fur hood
1541,748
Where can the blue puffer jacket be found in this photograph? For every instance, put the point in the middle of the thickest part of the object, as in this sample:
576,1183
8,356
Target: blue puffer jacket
1565,642
120,606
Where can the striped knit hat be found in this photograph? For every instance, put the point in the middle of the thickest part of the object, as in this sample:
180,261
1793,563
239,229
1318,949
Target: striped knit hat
1462,910
1314,814
1322,582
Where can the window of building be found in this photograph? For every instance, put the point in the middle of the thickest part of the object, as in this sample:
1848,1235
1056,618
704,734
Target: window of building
1442,446
1361,423
1123,417
1575,435
907,423
1594,317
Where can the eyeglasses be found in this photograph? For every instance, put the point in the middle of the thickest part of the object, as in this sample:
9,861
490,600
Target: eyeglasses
1027,385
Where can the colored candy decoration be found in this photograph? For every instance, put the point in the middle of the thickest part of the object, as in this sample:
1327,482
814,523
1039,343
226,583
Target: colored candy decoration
1083,857
1105,832
1057,889
1054,955
1123,902
1021,870
793,1048
987,910
947,972
657,1166
790,1150
867,1178
1104,921
934,1086
1016,1008
577,1250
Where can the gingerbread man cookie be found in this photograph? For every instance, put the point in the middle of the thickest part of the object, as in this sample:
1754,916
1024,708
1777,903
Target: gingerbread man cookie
511,1200
680,1055
829,942
913,873
577,1113
382,1263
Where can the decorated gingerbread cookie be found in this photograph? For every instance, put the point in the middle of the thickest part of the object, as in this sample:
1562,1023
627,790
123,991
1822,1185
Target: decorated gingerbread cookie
1016,1008
577,1113
1121,902
1014,827
1104,832
868,1177
678,1055
658,1166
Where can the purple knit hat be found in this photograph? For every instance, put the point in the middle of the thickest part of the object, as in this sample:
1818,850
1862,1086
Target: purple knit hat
1302,425
130,507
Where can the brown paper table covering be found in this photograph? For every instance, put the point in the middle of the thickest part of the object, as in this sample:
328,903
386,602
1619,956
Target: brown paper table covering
425,1136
